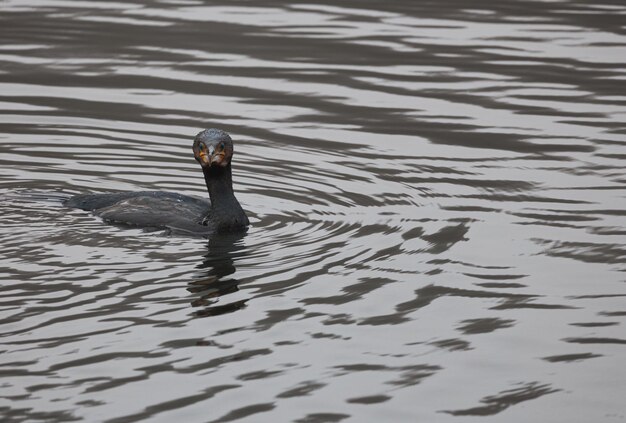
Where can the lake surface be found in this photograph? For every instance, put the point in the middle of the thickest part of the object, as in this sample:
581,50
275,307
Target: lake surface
437,192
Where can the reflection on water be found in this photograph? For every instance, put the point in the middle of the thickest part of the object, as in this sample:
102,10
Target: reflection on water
213,281
436,193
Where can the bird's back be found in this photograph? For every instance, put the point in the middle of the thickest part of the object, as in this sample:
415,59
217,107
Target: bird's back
147,209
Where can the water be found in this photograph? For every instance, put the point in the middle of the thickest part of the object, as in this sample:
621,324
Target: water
436,193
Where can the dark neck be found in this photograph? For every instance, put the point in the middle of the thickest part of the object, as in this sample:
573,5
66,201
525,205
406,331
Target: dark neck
226,212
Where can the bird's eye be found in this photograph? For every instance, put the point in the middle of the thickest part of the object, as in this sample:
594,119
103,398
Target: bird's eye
221,146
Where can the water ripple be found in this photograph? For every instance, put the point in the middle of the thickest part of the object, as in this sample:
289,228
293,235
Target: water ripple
436,196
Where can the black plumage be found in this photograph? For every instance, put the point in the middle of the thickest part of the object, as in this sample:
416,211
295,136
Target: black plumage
221,212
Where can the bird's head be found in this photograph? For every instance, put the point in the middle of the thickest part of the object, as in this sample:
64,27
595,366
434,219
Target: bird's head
213,148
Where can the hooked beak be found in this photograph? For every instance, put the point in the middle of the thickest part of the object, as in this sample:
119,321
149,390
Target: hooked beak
210,158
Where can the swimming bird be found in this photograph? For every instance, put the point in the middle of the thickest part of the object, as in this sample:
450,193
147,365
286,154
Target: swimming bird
177,213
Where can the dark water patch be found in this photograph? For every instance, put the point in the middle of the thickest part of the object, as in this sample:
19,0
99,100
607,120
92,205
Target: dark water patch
446,237
594,324
408,375
504,142
613,313
606,212
303,389
246,411
582,297
607,231
174,404
452,344
585,251
528,303
596,340
547,218
261,374
274,317
384,319
225,360
98,358
495,404
90,403
496,277
339,319
471,209
28,414
484,325
501,197
427,294
475,183
323,418
498,285
569,358
187,343
319,335
352,292
413,375
372,399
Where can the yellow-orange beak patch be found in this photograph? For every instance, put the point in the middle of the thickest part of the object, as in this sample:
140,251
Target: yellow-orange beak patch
216,159
204,159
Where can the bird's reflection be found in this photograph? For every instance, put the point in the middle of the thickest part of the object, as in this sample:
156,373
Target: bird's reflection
213,280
